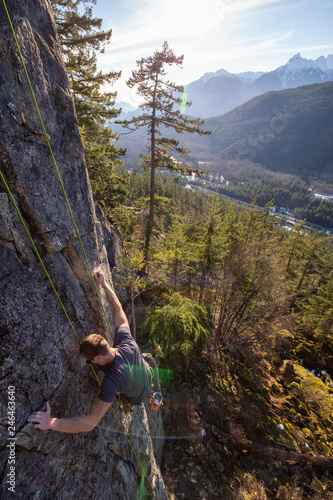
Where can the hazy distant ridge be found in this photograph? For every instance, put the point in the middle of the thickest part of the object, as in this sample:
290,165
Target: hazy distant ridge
217,93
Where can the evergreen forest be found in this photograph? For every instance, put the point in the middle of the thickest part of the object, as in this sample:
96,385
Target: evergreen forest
247,182
240,310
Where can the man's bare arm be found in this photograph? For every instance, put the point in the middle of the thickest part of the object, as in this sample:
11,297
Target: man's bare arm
86,423
119,316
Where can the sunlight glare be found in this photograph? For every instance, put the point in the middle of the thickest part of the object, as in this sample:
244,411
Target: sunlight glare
187,18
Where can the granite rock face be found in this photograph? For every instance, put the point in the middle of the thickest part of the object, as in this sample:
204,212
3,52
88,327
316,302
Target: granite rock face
38,348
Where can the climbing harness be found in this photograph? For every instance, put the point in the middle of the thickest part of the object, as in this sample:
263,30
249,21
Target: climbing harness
156,400
24,124
125,405
47,139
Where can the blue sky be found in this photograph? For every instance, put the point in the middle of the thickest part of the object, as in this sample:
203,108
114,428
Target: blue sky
237,35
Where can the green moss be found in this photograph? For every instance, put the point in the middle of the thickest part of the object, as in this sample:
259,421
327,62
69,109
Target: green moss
301,408
325,449
283,339
288,433
288,368
307,433
314,392
295,388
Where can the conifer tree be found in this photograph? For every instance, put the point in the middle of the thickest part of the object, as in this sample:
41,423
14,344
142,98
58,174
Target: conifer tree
159,98
81,38
319,310
179,324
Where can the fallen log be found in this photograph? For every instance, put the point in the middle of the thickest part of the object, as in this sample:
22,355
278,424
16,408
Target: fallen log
271,452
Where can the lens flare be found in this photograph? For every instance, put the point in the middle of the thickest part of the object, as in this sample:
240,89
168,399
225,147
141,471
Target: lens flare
141,493
184,102
164,376
164,437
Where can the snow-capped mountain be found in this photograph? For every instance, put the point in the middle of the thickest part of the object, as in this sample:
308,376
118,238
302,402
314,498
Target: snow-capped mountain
326,63
300,68
300,71
208,76
216,93
249,76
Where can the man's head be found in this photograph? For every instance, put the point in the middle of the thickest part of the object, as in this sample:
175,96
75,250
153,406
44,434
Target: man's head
95,349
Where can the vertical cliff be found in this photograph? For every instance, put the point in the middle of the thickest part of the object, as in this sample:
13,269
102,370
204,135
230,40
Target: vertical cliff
39,351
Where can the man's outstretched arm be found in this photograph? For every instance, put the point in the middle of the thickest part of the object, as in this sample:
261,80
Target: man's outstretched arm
86,423
119,317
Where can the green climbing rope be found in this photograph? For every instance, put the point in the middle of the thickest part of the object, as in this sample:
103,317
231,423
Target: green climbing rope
55,163
41,261
76,230
66,314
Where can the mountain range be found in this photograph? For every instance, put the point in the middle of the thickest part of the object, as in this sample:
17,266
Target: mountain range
287,127
217,93
288,131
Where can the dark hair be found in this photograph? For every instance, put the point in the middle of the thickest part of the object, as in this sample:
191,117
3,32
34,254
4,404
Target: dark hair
93,345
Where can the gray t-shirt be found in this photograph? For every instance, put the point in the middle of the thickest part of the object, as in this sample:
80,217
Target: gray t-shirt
129,374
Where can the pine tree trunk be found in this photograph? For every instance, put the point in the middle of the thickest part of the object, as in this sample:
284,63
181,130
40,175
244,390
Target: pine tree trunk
152,176
151,206
133,312
306,267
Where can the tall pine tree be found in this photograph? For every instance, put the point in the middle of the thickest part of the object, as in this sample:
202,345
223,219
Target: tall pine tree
159,98
81,38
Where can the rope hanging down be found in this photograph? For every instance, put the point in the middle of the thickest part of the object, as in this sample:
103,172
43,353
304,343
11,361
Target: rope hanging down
42,263
68,318
46,138
76,230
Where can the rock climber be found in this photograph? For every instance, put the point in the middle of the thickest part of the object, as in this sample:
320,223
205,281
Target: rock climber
126,373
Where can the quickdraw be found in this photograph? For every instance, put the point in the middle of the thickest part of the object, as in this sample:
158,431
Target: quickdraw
24,124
